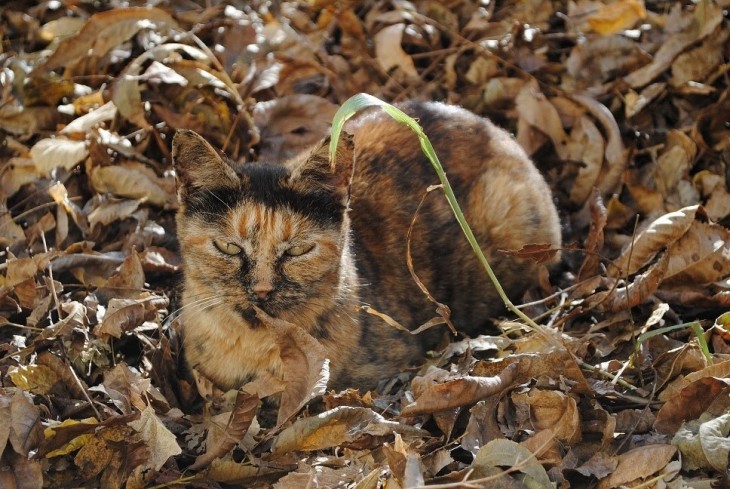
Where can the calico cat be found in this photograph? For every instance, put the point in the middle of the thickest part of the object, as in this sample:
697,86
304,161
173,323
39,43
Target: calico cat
310,245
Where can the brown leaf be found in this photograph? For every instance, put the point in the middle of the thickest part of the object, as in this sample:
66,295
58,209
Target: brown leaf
689,403
708,17
122,315
102,32
635,293
126,92
543,409
50,153
492,457
658,235
5,420
594,242
26,432
390,54
585,145
243,413
335,427
639,463
131,182
700,256
28,474
537,111
161,442
305,365
461,391
615,153
289,125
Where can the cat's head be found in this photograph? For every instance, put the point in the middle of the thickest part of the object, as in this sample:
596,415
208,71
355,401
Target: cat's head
261,234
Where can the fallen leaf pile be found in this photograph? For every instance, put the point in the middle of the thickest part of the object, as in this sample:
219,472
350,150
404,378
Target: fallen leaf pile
624,105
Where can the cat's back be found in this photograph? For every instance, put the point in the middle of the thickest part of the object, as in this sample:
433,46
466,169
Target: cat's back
504,197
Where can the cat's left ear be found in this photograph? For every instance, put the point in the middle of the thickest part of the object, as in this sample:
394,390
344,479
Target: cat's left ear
316,173
198,165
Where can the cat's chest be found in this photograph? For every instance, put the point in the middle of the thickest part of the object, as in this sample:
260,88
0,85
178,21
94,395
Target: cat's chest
227,350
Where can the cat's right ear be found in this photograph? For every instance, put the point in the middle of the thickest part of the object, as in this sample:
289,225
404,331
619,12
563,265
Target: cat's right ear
199,166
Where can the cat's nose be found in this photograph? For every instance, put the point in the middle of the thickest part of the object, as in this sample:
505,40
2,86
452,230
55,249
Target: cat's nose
262,290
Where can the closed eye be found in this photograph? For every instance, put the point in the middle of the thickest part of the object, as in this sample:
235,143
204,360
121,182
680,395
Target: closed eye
227,248
299,250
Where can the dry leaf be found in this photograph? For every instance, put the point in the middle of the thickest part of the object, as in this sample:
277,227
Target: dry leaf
132,183
537,111
689,403
659,234
102,32
305,365
161,442
335,427
705,444
53,152
617,16
243,413
639,463
390,54
498,455
26,432
460,391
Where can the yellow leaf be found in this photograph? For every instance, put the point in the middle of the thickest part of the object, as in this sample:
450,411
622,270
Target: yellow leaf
35,378
617,16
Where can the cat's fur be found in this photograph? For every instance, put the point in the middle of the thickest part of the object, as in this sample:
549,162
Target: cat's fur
358,256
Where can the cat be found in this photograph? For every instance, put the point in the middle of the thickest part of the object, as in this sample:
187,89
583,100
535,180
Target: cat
311,244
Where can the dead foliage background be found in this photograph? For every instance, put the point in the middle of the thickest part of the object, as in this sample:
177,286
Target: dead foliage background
623,104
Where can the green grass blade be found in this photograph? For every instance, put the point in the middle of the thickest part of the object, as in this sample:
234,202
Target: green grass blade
695,326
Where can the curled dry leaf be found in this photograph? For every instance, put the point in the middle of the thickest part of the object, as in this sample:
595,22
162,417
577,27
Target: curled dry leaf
390,54
708,18
111,210
616,157
700,256
122,315
340,425
305,365
537,111
460,391
659,234
89,121
244,411
586,146
704,443
720,370
594,242
635,293
26,432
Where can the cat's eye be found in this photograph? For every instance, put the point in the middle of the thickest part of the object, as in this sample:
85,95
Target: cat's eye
227,248
299,250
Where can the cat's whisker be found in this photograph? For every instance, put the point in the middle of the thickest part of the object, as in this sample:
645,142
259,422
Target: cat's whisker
181,310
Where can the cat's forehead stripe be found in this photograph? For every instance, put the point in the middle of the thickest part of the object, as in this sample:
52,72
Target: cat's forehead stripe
257,219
